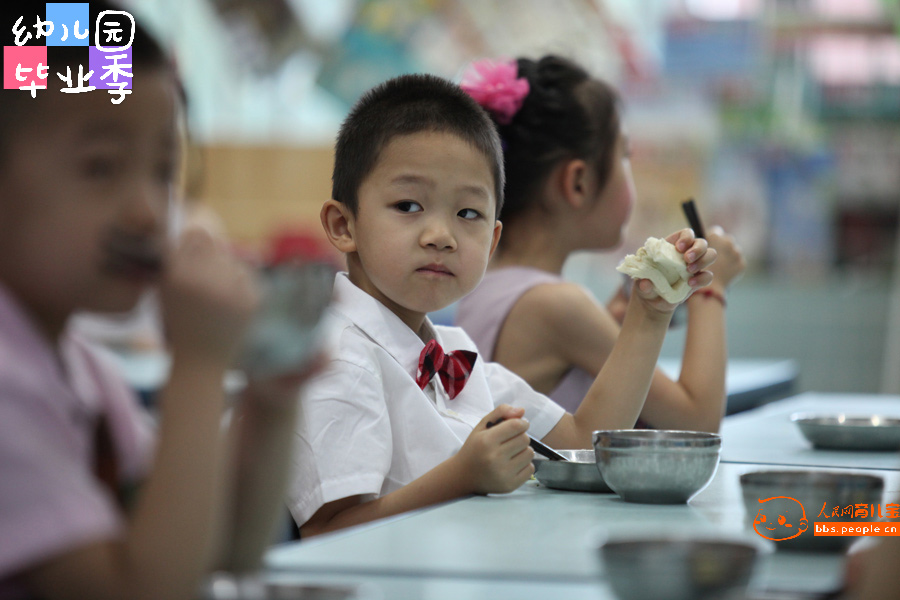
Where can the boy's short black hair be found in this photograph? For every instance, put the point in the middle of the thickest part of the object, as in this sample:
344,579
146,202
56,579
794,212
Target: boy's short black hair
403,106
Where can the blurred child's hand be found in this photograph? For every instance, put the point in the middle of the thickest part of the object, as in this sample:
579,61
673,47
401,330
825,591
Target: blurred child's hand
855,566
498,459
871,572
730,263
207,296
284,390
697,255
618,303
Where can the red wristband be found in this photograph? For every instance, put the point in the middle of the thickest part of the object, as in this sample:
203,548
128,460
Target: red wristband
712,294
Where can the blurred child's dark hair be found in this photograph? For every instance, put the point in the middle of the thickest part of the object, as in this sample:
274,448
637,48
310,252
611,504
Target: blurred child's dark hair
567,114
402,106
17,107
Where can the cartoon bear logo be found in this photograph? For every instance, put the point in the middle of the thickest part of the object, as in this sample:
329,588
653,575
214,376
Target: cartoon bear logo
774,518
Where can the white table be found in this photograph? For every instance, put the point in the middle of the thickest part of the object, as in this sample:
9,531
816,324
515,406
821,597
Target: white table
544,536
766,435
542,543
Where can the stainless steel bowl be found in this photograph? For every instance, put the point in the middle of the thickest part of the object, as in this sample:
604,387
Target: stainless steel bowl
849,432
676,569
654,466
578,473
784,506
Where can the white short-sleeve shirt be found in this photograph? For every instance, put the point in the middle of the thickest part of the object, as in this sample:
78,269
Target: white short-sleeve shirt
365,426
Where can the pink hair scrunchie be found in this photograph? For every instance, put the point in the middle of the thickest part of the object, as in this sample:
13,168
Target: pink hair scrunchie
496,87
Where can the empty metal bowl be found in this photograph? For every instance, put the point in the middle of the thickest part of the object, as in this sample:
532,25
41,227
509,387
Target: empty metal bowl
578,473
678,569
655,466
786,507
849,432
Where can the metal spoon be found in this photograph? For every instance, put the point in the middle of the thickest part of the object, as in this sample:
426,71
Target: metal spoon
537,445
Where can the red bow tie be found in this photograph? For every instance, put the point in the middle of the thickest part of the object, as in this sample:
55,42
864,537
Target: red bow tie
453,368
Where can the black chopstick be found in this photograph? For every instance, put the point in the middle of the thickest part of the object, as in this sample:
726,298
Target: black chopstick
690,211
542,448
536,445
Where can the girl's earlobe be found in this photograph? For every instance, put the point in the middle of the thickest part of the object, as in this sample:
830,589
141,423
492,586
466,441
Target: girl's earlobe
338,224
573,175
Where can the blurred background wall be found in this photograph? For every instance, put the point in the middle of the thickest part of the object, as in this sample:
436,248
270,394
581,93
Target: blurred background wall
781,117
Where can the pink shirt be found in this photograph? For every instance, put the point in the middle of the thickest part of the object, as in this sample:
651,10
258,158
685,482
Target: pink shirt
50,500
483,312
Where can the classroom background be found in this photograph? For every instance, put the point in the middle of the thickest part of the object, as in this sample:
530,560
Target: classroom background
781,117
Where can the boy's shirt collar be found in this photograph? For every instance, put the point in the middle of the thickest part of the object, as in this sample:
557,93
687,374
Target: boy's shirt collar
385,329
380,324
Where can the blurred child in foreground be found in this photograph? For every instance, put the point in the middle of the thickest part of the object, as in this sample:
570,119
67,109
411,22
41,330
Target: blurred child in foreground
89,506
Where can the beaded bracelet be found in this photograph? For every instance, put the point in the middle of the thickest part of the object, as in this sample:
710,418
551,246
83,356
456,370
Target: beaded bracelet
712,294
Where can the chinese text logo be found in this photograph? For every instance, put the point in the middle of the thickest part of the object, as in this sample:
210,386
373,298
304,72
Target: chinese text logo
107,64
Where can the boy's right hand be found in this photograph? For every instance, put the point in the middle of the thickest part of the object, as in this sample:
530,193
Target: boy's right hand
208,297
498,459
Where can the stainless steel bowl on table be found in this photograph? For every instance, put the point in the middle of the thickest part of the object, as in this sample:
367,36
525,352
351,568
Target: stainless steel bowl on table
678,569
850,432
577,473
785,506
656,466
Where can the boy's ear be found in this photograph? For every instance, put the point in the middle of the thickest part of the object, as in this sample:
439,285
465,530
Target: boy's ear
574,181
495,237
338,224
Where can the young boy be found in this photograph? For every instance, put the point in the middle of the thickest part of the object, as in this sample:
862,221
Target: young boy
418,182
84,193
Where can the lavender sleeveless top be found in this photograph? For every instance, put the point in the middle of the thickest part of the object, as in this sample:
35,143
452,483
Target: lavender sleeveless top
483,312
